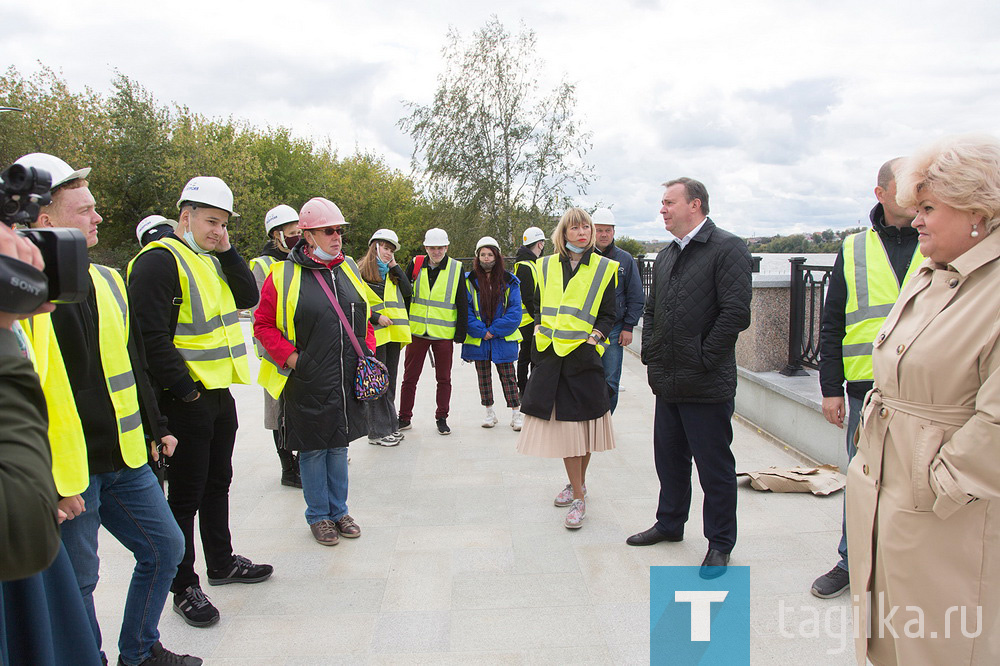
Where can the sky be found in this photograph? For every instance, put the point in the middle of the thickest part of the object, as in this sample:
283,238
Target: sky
784,109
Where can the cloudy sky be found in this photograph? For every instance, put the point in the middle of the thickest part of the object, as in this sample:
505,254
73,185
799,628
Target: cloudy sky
785,109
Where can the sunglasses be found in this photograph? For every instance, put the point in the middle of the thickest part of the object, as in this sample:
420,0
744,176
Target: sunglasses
329,231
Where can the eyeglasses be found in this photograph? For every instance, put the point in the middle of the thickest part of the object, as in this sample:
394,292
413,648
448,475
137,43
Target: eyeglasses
329,231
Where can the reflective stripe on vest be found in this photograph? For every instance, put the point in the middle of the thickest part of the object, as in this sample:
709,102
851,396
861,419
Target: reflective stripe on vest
261,268
475,342
568,316
433,312
525,317
872,290
69,449
208,334
113,334
287,280
393,307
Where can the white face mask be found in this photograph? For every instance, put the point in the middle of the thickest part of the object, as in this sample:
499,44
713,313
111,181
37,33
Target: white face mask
193,244
322,254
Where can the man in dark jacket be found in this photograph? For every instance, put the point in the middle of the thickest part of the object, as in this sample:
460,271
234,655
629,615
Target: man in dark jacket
892,232
698,304
628,297
105,369
524,268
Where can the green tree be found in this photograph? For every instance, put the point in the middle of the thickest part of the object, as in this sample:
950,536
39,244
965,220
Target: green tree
503,152
631,245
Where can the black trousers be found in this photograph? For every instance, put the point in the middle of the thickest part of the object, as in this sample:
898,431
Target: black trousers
524,363
199,476
703,431
389,354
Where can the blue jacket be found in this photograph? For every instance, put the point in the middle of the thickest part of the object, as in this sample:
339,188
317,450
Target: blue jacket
628,292
505,322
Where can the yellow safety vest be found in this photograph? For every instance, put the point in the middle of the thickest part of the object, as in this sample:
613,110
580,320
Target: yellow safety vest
568,316
475,342
208,334
433,312
872,290
393,307
287,279
69,448
525,317
260,267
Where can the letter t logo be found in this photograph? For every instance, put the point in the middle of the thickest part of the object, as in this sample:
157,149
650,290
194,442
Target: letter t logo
701,607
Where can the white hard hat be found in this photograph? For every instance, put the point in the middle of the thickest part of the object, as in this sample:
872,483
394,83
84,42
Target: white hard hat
210,191
487,241
436,238
387,235
151,222
603,216
532,235
61,172
278,216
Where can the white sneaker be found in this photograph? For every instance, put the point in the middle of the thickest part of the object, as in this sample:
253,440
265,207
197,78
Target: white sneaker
491,418
516,420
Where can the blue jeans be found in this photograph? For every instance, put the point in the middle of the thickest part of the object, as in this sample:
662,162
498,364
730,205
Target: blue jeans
130,505
612,360
853,419
324,483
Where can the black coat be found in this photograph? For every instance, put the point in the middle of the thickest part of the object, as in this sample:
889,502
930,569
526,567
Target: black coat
574,384
320,409
697,305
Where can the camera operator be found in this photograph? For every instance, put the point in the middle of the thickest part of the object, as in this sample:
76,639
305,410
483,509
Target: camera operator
95,385
42,619
28,526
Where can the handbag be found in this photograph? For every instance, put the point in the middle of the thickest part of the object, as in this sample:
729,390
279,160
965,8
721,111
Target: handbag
372,379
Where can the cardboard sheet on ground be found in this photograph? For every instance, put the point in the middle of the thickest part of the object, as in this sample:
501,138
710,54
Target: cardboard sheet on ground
821,480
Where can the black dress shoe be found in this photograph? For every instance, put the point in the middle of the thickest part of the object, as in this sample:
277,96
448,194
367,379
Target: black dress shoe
651,536
714,564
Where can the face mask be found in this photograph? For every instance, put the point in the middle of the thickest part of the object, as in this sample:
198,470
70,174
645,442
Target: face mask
487,266
193,244
283,241
383,268
322,254
574,249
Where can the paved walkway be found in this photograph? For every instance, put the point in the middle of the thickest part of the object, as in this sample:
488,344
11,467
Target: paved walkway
464,559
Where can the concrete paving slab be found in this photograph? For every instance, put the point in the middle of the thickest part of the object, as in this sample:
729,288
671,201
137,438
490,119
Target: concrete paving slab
463,558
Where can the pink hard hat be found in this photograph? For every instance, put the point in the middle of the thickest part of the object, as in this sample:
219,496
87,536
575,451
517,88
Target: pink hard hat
318,213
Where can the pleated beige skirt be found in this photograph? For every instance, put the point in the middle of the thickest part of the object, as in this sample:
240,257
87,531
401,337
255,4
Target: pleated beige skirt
565,439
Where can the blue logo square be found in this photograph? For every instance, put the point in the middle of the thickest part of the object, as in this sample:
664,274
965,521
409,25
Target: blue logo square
697,621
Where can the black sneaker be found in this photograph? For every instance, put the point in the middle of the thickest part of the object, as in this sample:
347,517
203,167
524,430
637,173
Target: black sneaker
443,428
831,584
195,608
404,424
161,656
242,571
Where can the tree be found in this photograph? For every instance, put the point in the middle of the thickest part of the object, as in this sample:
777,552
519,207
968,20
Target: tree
632,246
504,153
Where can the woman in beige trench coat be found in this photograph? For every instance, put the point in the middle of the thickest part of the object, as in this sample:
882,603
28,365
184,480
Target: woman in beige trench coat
923,492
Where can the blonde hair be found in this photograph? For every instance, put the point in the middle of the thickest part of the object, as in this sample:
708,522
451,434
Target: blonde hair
962,171
573,217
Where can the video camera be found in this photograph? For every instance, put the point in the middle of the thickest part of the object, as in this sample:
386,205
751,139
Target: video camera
23,288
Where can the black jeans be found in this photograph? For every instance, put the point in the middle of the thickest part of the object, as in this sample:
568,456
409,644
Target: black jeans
199,476
389,354
524,363
704,431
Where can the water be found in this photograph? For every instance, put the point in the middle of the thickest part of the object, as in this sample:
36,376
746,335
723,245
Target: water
777,263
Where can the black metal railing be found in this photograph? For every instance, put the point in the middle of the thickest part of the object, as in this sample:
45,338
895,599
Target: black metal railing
646,271
805,314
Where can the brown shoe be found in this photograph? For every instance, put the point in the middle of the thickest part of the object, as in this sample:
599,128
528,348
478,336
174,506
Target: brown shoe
325,532
348,528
